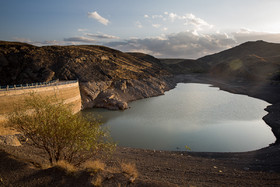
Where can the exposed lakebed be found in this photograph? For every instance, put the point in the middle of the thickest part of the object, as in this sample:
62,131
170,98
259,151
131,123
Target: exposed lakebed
202,117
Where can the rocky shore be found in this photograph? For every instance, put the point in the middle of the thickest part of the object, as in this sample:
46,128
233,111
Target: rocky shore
115,95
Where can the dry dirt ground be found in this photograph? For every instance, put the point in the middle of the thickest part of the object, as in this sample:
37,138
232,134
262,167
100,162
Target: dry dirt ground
19,166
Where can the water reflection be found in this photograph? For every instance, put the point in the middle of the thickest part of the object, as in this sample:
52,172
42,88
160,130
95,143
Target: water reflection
202,117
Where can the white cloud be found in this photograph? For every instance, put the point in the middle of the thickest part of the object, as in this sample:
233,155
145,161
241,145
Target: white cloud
196,22
180,45
191,44
173,16
138,24
156,25
244,35
188,44
189,20
133,38
99,18
146,16
82,30
50,42
80,39
157,16
43,43
24,40
103,36
195,33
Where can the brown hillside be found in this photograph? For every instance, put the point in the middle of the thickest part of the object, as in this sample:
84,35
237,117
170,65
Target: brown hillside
109,78
21,63
251,61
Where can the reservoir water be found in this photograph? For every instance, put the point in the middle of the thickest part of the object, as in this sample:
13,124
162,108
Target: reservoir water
201,117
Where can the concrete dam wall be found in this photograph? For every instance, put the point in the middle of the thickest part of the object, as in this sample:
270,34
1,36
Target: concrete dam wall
68,91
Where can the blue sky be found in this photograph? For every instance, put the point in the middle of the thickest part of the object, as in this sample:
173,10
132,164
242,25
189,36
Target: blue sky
163,28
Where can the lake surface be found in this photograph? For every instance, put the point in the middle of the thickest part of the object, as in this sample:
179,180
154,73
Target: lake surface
202,117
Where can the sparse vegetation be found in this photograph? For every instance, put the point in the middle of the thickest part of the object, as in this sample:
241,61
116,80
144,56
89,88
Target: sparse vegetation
51,126
97,181
130,170
125,173
64,165
187,148
6,130
94,166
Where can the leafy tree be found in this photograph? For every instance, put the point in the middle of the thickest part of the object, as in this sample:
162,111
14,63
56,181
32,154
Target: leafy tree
52,126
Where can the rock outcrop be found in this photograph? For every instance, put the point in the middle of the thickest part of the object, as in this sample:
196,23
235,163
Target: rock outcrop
273,120
11,140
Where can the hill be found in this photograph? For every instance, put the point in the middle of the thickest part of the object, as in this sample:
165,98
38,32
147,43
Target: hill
174,66
185,66
250,61
108,78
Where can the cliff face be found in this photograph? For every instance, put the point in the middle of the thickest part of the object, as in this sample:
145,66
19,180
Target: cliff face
108,78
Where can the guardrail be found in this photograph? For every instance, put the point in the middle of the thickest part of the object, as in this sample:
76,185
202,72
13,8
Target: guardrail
35,85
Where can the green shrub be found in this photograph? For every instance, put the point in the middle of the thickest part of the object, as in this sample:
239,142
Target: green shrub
52,126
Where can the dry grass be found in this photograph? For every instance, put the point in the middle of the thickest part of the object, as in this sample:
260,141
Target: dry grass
45,166
113,170
4,130
130,170
97,181
62,164
94,166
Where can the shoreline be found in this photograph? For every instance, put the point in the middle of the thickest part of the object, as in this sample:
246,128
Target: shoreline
260,90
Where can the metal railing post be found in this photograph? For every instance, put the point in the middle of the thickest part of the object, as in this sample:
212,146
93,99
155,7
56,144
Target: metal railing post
37,85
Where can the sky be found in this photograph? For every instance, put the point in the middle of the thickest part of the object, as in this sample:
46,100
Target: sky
162,28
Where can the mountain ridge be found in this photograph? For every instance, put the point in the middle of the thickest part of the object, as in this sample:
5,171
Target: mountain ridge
110,78
254,61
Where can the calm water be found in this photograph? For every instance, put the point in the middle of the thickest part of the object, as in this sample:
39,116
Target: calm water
197,115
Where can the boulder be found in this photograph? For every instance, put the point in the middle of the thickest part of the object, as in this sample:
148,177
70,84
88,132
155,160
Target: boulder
10,140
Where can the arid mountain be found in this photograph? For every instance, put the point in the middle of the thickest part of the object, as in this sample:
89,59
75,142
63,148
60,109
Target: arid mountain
251,61
108,78
27,63
175,66
171,60
145,57
185,66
